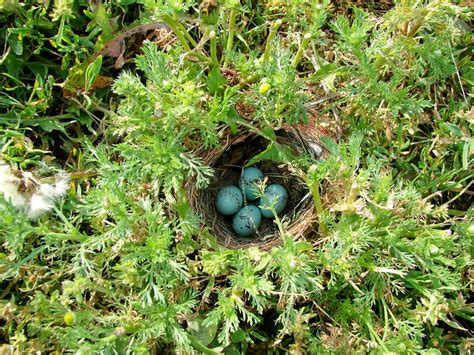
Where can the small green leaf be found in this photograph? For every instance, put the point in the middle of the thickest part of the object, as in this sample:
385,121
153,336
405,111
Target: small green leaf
16,42
232,350
453,323
215,81
303,246
324,71
263,263
259,336
330,145
453,129
467,151
204,334
238,336
92,71
51,125
231,119
269,132
274,152
102,18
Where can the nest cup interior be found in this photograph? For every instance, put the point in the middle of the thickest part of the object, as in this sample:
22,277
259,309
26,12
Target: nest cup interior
228,166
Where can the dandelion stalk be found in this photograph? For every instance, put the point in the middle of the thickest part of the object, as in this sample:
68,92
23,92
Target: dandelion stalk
212,37
254,129
186,34
230,38
303,46
318,205
271,36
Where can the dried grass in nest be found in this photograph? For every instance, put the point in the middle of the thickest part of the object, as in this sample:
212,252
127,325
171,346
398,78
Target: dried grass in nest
299,215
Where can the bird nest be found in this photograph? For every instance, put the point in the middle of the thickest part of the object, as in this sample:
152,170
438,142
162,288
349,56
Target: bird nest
299,215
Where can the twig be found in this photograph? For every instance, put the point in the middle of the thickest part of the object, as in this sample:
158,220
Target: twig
457,73
460,194
313,104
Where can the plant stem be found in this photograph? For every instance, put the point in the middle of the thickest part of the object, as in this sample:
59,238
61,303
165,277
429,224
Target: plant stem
65,236
212,37
61,29
26,121
254,129
452,212
278,221
186,33
230,38
319,205
174,25
74,235
18,265
271,36
375,336
457,73
299,53
205,59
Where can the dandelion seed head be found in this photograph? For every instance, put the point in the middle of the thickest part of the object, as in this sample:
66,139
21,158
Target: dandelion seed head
47,191
9,187
48,194
43,198
62,186
38,206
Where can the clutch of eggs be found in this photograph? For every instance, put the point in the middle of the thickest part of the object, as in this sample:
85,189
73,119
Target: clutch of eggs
247,219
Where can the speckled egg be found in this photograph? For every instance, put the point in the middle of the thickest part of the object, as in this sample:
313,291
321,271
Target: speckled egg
247,221
275,195
250,176
229,200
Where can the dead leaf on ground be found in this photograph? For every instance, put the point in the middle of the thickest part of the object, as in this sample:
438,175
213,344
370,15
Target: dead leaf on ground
115,48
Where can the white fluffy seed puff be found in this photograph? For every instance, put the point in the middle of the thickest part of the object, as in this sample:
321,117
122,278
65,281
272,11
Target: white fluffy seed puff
27,193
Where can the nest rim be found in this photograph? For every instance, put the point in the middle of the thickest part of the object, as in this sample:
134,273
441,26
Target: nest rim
301,139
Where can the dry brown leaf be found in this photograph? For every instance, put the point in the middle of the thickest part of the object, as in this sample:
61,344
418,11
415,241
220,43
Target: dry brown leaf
115,48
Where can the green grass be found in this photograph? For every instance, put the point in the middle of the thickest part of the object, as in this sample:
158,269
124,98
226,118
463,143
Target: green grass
123,264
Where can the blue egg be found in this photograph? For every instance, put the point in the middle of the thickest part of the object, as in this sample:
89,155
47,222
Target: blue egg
275,195
229,200
248,180
247,221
